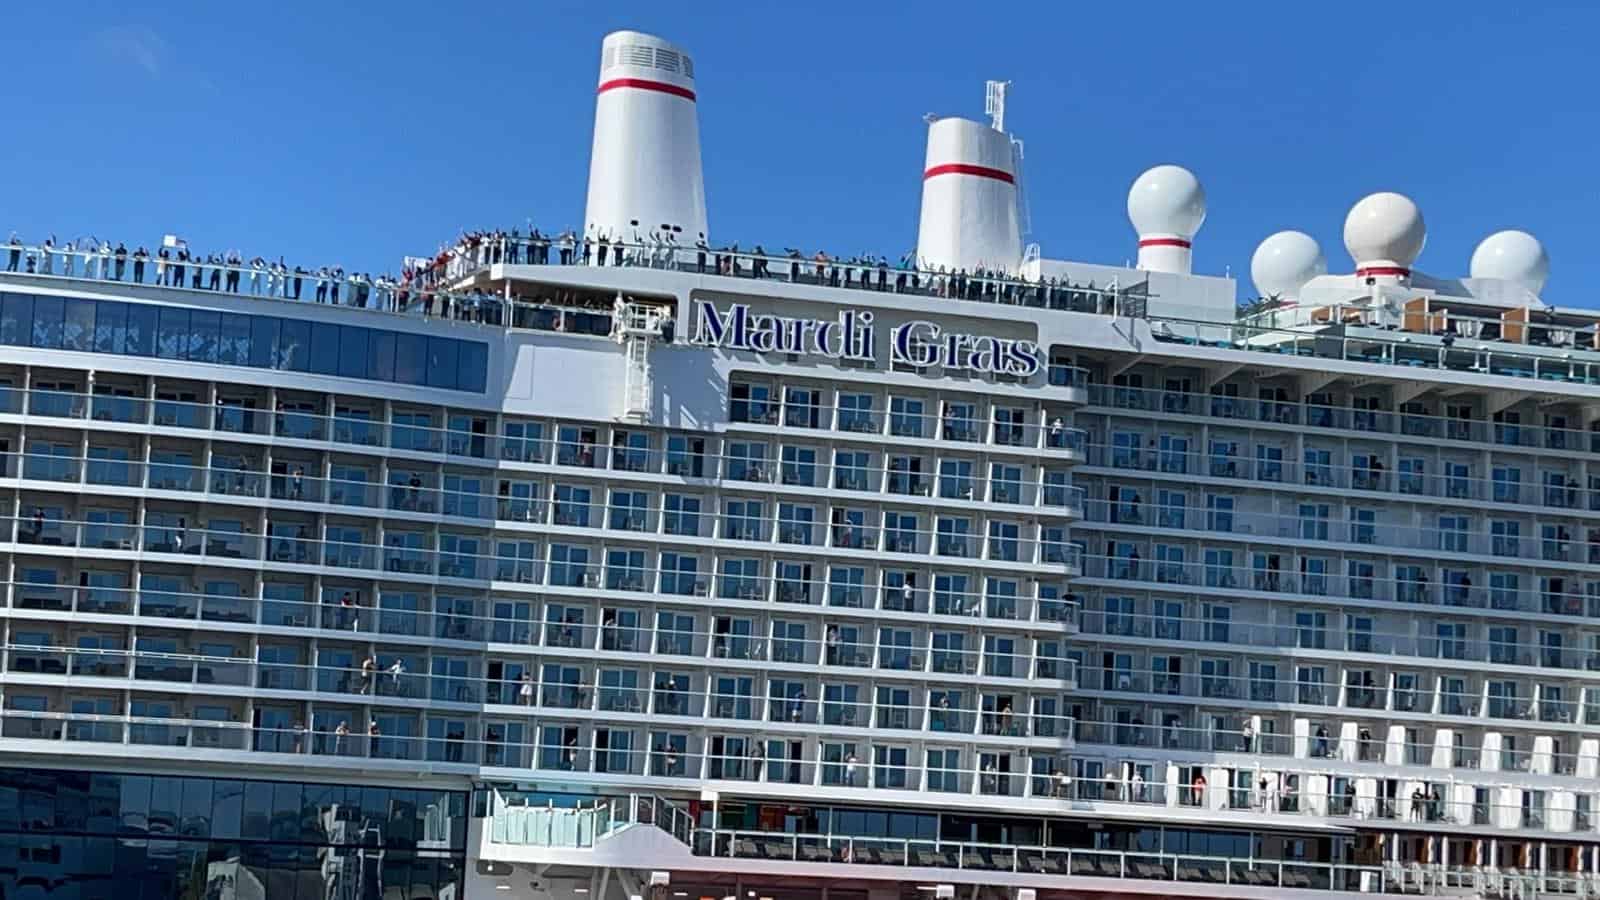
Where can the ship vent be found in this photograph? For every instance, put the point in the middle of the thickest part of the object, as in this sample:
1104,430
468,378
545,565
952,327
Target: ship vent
644,57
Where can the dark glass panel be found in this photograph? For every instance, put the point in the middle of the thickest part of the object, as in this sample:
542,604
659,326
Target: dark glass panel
264,341
172,341
324,348
204,327
256,821
443,357
353,343
47,315
380,363
166,794
110,326
294,346
194,815
135,805
143,323
77,325
474,369
233,340
411,359
16,319
227,808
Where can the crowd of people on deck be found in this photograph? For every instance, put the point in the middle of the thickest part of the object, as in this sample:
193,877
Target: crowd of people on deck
662,250
432,286
174,264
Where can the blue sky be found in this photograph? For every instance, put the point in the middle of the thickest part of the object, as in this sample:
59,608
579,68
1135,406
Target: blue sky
356,133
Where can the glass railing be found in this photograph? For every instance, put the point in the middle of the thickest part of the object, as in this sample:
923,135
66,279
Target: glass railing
411,294
1409,427
1289,637
1364,481
964,428
1472,541
1152,865
1374,345
1275,573
820,269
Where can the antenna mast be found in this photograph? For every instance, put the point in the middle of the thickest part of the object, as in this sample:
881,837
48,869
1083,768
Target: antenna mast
994,104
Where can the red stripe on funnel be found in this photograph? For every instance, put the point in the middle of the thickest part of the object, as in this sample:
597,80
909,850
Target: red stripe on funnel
1165,242
645,84
965,169
1383,270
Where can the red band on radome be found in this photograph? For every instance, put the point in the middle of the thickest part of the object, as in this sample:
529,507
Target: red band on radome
1383,270
965,169
644,84
1165,242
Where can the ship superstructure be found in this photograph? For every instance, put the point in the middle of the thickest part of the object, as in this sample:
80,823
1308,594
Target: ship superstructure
656,568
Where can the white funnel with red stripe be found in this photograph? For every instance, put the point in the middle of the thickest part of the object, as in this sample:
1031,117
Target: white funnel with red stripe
969,199
644,170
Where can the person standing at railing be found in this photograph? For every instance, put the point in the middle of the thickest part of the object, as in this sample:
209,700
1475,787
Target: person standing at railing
340,732
47,256
139,256
233,260
569,240
16,253
162,258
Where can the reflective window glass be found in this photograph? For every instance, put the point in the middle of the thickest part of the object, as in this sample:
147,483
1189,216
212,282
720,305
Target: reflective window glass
47,313
141,333
172,341
353,351
77,325
325,349
442,360
16,319
110,327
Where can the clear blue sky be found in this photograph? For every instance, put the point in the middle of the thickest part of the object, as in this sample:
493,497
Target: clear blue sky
356,133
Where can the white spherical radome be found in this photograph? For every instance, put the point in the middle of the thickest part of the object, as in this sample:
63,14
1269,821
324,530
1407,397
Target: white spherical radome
1385,228
1512,256
1284,262
1167,200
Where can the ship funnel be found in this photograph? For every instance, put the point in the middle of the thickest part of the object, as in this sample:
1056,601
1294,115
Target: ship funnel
969,199
644,170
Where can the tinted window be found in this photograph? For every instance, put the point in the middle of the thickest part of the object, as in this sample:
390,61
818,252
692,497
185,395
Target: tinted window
110,327
16,319
172,342
77,326
380,365
235,339
47,313
410,359
263,342
203,328
325,349
233,343
294,345
353,351
474,369
142,324
442,361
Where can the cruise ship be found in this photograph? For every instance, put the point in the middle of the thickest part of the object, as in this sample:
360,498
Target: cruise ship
624,564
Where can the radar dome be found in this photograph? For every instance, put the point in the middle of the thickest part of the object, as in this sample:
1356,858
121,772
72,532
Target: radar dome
1284,262
1512,256
1167,200
1384,231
